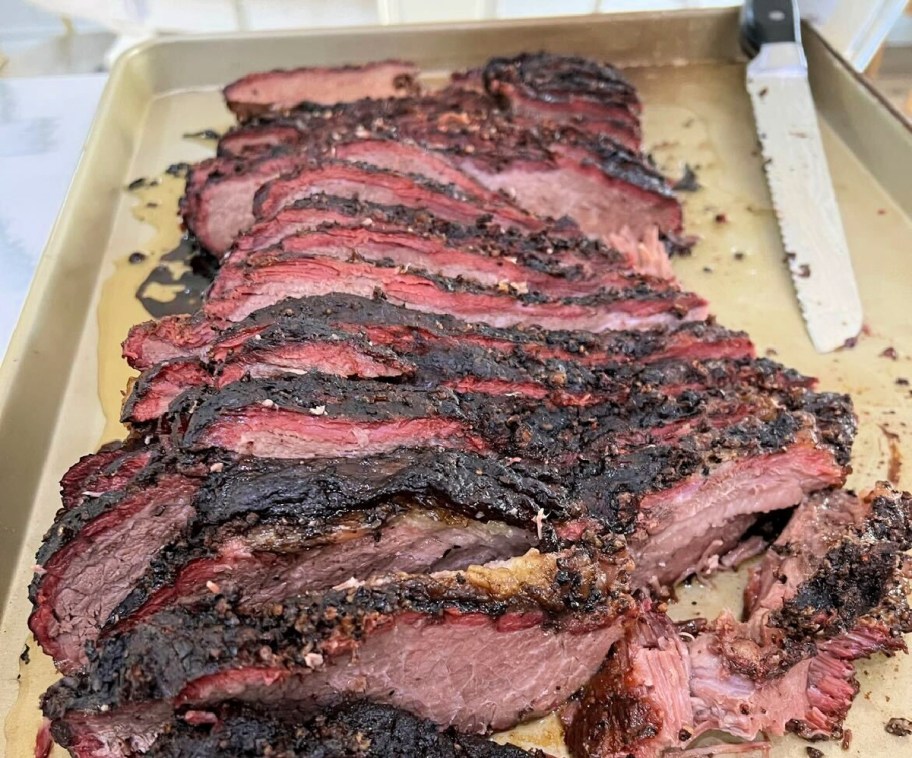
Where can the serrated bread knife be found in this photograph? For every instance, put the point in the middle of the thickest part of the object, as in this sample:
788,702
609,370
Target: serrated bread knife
797,173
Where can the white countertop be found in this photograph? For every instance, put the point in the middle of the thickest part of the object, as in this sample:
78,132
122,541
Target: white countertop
43,124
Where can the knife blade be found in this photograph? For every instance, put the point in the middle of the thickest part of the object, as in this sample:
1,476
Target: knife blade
798,176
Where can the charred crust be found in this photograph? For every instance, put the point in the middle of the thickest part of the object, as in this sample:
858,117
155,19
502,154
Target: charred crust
155,660
360,729
473,126
559,77
614,714
515,425
860,574
301,503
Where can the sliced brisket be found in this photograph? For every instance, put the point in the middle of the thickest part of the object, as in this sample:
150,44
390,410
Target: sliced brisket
360,729
660,460
111,468
685,530
835,562
487,261
423,441
638,704
671,469
276,516
268,276
554,249
278,91
520,637
386,324
587,94
456,118
554,242
633,467
267,529
426,361
789,667
223,206
95,551
317,415
605,188
612,220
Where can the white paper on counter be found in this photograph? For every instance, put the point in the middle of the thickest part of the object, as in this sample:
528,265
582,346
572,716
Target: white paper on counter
43,125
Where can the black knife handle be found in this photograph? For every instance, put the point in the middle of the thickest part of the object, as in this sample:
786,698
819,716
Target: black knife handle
767,21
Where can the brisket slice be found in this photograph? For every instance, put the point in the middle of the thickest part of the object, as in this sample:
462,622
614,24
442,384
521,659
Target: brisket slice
276,516
685,530
267,529
671,470
278,91
602,206
223,205
386,325
310,413
271,561
555,243
590,95
453,119
658,691
638,704
604,212
94,552
641,247
441,190
360,729
403,156
835,562
810,699
111,468
604,186
489,262
317,415
768,675
209,556
552,251
268,276
632,468
321,210
515,638
415,359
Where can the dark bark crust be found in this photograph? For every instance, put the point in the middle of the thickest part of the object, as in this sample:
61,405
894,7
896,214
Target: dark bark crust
155,660
462,122
360,729
857,575
348,312
560,79
300,503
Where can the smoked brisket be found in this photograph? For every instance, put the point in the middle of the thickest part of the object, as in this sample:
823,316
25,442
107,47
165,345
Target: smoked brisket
459,138
521,637
384,323
787,668
278,91
441,439
406,509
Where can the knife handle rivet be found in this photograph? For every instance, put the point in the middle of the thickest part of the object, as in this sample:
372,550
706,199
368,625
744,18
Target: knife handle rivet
776,16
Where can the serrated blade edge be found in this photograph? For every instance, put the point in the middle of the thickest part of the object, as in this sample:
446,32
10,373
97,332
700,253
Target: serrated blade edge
803,198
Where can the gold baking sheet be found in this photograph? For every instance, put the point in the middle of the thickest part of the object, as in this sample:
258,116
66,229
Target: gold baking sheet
61,384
